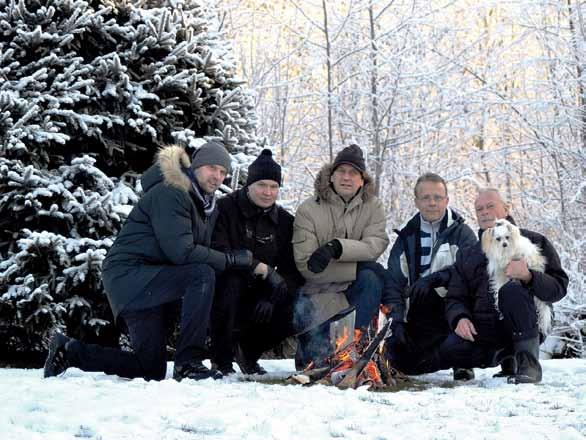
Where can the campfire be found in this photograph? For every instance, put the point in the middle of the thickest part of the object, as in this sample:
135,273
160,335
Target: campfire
358,360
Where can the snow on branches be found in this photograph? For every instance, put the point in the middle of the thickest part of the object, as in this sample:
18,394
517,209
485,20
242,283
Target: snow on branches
82,76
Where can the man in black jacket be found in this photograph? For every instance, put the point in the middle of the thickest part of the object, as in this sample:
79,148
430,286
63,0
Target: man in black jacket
482,336
419,272
161,258
259,305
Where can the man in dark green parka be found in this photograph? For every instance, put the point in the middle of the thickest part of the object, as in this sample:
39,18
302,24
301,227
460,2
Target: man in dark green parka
160,258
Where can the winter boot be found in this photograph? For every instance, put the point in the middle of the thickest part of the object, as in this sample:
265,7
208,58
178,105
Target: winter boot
463,374
194,370
507,368
225,369
247,364
527,359
56,362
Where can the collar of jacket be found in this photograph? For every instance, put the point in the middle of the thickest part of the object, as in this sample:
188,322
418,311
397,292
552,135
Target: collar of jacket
450,221
323,190
250,210
172,160
508,218
175,166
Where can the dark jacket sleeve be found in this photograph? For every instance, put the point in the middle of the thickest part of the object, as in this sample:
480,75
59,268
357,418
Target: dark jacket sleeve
286,263
221,234
551,285
396,283
459,295
467,237
172,225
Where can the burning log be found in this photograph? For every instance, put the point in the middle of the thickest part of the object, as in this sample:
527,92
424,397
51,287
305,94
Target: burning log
354,364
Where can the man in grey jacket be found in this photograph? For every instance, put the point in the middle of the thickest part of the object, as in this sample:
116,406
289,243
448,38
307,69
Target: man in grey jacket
160,259
418,266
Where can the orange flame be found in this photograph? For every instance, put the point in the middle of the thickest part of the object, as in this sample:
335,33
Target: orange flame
341,341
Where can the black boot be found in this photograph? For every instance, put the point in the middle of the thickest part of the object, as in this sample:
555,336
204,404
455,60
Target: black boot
226,369
56,362
527,359
508,368
194,370
247,364
463,374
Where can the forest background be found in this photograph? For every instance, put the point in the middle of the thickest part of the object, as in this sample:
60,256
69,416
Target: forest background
487,93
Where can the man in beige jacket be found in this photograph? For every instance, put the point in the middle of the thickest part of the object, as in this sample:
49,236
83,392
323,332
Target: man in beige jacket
338,235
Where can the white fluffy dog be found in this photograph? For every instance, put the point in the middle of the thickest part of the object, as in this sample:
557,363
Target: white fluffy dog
504,243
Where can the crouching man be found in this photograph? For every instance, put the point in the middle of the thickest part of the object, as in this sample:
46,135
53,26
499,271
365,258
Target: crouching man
161,257
253,312
419,271
490,329
338,235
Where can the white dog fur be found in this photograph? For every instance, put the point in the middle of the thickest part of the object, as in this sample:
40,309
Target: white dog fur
504,243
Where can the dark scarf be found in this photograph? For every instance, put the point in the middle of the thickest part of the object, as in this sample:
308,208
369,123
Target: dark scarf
208,201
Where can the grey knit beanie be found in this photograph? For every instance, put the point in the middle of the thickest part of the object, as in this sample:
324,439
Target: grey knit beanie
211,153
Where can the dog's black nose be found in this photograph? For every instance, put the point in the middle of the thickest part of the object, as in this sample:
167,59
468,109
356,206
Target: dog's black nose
505,244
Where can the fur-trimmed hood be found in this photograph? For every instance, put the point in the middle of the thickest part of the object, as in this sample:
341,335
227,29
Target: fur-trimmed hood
324,191
168,167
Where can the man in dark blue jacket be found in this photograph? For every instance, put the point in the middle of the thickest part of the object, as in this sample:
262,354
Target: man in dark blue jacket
418,272
484,336
161,257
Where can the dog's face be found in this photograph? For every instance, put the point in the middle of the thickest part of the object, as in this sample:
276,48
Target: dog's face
502,233
500,239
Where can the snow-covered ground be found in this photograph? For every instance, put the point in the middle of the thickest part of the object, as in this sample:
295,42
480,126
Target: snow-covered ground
92,405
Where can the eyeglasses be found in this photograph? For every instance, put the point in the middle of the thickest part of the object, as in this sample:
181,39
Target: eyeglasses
428,199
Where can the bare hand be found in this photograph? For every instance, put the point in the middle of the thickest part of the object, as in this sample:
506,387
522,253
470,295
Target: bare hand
465,329
262,270
518,270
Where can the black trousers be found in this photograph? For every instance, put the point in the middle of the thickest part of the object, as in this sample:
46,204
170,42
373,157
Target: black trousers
237,296
427,328
189,288
519,323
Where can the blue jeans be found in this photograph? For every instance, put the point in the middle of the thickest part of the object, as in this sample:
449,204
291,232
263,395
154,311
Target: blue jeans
365,293
191,287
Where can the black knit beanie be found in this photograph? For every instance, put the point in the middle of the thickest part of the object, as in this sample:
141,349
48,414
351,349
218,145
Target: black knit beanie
264,168
351,155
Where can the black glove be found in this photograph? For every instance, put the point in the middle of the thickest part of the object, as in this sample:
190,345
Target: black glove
425,285
401,336
239,259
263,312
278,286
321,257
419,291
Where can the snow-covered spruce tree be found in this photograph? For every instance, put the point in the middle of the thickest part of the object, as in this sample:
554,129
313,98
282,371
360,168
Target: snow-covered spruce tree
89,90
